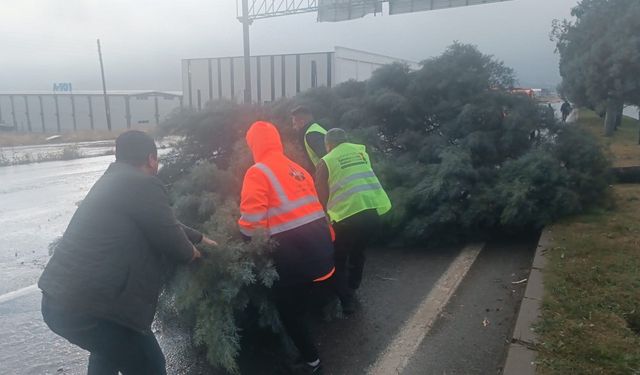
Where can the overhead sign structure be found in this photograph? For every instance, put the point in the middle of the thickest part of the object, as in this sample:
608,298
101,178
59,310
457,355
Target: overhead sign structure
409,6
343,10
330,11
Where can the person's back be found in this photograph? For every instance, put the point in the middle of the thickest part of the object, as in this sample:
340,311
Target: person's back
565,109
312,134
105,263
353,185
354,199
101,286
285,208
278,196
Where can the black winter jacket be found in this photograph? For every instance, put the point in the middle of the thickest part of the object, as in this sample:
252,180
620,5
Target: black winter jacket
118,250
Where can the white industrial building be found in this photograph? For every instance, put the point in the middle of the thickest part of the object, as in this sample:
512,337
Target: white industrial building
49,112
275,76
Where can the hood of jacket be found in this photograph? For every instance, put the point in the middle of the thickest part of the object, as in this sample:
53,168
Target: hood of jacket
263,139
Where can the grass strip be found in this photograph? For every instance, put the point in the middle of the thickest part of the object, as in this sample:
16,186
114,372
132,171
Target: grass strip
590,321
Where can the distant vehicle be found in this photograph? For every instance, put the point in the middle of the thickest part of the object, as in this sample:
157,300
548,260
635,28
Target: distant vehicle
522,91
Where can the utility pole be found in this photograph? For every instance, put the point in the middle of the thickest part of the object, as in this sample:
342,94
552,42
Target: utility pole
247,52
104,89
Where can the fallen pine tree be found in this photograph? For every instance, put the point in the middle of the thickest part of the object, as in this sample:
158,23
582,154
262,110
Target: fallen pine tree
459,155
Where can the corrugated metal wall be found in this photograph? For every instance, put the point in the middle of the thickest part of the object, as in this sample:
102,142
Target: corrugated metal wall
360,65
276,76
27,113
273,77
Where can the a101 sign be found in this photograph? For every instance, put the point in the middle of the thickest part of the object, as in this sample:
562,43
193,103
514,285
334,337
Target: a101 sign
62,87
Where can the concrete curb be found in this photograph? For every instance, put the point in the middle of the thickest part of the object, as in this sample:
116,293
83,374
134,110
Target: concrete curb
521,357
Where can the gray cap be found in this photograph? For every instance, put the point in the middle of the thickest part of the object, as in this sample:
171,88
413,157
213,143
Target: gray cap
335,137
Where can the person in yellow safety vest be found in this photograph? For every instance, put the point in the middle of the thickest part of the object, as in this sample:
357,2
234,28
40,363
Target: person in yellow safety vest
354,200
313,137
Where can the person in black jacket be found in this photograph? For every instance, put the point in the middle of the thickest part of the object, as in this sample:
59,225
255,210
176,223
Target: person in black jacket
565,109
101,286
312,135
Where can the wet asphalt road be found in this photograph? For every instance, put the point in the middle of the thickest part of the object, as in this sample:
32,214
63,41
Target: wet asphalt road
36,204
86,149
459,342
38,200
396,281
27,345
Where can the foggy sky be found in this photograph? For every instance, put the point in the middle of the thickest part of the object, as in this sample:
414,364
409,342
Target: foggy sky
47,41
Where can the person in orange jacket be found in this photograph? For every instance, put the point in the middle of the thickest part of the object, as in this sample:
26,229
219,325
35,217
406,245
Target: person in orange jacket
279,197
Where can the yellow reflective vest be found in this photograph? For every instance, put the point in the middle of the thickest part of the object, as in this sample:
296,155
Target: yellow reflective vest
353,186
315,159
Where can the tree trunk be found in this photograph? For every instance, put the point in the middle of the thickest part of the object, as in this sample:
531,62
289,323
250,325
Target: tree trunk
627,175
610,118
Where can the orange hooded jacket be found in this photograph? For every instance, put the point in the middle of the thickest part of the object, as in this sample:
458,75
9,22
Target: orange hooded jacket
279,196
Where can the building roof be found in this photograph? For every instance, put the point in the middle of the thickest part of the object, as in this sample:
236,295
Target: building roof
94,93
305,53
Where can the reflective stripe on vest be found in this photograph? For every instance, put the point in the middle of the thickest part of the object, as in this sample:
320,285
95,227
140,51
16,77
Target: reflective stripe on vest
286,206
315,159
353,186
354,190
356,176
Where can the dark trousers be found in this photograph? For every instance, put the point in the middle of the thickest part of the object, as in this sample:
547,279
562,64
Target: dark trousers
113,347
292,302
353,235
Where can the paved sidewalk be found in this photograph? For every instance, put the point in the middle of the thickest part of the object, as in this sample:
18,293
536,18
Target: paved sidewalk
521,357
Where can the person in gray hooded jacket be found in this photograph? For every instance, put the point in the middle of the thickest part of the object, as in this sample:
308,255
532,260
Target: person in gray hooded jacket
101,286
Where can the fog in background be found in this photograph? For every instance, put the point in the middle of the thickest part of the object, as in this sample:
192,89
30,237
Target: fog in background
143,41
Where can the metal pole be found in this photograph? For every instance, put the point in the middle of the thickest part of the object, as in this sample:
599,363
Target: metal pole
26,111
189,84
90,111
247,51
104,89
13,113
127,110
55,99
73,112
44,130
157,109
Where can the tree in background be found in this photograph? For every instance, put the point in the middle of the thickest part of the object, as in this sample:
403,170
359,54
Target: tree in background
457,152
600,56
